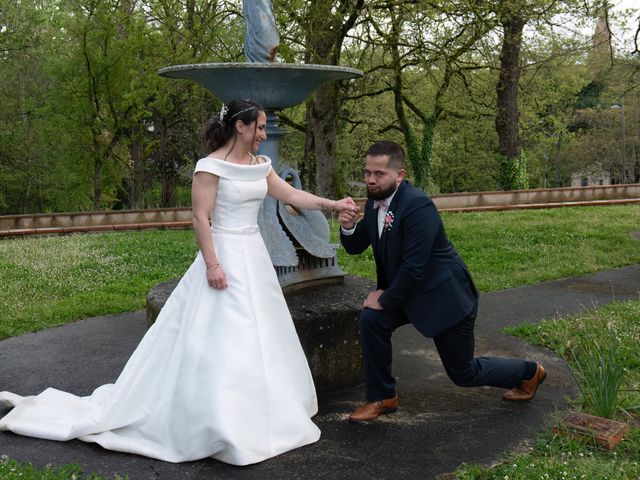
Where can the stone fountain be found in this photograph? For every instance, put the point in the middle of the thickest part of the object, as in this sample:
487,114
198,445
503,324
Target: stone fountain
322,300
299,243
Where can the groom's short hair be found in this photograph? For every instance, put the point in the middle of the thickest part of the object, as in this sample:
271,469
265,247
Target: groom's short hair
391,149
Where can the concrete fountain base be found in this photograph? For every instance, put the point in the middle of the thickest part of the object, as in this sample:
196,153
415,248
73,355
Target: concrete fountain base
325,318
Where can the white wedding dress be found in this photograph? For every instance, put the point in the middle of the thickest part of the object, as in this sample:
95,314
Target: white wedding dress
221,373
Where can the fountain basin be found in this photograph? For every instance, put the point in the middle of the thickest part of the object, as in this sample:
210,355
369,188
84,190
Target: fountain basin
274,85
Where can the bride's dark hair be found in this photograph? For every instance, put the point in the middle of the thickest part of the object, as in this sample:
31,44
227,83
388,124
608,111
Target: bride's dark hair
221,128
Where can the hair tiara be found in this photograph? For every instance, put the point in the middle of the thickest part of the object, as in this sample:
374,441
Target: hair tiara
241,112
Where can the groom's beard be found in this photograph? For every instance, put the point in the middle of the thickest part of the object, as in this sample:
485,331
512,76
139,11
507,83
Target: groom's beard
382,194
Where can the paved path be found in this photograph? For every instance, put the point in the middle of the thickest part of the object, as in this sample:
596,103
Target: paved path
437,427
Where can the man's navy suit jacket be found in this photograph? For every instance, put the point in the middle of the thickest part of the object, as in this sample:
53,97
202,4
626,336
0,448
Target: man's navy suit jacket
417,266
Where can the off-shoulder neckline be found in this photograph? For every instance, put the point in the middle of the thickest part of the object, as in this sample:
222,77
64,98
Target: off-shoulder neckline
267,162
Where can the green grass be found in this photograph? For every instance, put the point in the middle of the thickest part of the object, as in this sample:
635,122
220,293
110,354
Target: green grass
512,248
618,322
12,470
557,457
50,281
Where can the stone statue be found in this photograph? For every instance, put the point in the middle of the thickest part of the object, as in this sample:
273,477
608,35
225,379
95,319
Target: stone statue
261,40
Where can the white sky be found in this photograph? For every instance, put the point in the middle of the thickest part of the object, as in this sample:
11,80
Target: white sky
623,34
626,4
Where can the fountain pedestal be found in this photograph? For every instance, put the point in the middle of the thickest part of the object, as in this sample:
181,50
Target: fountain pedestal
326,320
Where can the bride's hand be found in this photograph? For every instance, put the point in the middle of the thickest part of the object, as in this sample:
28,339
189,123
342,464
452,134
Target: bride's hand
345,204
216,277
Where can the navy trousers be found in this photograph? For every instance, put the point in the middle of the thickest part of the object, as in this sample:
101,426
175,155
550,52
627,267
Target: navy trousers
455,347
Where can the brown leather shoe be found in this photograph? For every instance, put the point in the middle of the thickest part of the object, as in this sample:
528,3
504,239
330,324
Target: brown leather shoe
527,389
372,410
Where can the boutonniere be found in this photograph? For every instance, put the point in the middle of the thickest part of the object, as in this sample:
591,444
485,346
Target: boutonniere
388,221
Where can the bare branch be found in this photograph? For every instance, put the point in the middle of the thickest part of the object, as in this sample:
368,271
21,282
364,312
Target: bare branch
389,127
301,127
370,94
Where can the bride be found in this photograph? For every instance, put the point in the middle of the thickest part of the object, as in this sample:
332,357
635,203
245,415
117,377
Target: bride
221,373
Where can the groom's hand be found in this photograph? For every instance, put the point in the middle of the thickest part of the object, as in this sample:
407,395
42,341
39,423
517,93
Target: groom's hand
347,217
372,300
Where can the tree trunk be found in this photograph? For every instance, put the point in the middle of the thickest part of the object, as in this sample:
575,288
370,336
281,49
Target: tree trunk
324,113
420,170
328,24
636,142
101,155
26,133
507,89
162,167
97,179
308,164
136,194
513,172
413,149
169,181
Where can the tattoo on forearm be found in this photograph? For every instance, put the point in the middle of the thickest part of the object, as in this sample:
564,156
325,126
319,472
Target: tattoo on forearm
326,207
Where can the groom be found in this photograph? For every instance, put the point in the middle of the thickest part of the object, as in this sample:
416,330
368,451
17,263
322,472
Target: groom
421,279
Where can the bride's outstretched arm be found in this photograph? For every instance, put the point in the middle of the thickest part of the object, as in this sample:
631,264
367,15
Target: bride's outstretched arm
281,190
204,190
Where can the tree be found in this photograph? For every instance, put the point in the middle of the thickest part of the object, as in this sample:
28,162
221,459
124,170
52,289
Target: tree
323,26
25,28
419,65
195,31
513,16
86,122
513,166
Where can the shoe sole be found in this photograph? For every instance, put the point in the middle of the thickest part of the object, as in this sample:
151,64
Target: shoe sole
391,410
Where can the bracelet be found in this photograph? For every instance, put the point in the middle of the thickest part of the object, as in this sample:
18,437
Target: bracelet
213,266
